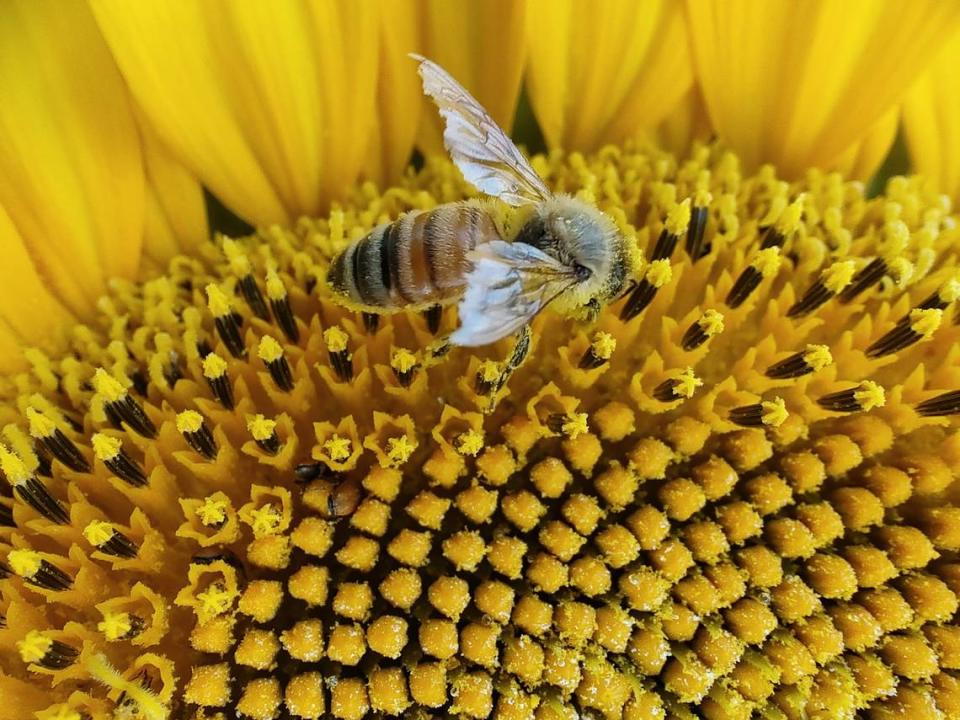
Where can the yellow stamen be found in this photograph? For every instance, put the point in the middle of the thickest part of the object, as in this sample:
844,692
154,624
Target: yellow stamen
217,301
686,383
603,345
213,511
105,447
838,276
269,349
712,322
108,386
902,271
189,421
774,412
25,563
926,322
98,532
402,360
659,273
214,366
870,395
34,647
338,448
575,425
767,261
115,625
678,219
335,339
13,467
470,442
239,262
399,449
215,600
264,520
789,219
261,428
275,287
817,357
40,425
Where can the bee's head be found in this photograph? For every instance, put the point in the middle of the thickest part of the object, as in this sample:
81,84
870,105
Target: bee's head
584,239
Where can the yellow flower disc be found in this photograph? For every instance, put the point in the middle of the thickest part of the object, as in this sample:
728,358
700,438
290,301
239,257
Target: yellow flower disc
731,496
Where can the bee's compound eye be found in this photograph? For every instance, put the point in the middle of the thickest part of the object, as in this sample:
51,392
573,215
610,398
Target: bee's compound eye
581,272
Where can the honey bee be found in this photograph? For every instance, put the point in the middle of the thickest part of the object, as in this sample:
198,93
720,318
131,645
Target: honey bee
563,252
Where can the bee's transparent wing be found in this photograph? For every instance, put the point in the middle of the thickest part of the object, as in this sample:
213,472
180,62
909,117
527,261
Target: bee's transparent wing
507,286
485,155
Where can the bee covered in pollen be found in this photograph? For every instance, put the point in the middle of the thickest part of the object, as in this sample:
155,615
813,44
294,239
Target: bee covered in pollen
563,252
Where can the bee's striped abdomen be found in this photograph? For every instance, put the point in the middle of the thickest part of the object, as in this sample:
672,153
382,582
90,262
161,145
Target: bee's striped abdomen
417,260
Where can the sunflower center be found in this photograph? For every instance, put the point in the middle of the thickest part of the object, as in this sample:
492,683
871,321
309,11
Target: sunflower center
732,494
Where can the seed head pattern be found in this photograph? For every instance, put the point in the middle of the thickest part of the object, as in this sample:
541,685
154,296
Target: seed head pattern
733,496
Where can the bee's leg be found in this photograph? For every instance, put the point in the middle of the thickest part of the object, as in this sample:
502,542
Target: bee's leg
521,348
436,351
590,311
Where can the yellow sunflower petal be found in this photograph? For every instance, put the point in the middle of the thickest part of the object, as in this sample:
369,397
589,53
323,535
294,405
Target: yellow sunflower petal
861,160
29,314
600,73
268,104
798,83
931,120
685,124
481,45
176,217
71,175
398,93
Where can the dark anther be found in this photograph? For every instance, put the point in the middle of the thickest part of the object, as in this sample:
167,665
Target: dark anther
869,275
843,401
125,468
229,330
253,296
119,545
792,367
285,319
342,364
641,296
748,415
694,337
946,404
62,448
666,242
371,321
132,413
433,316
6,515
59,656
140,382
222,390
902,336
695,231
815,296
203,348
591,360
281,373
747,282
50,577
270,445
664,392
202,441
36,495
772,238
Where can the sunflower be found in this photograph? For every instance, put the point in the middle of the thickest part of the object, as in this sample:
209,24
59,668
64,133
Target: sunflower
733,495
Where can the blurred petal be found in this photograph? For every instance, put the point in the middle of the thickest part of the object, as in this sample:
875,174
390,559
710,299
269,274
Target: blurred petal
605,72
176,216
399,96
268,104
799,82
863,159
71,175
29,313
481,44
931,121
686,124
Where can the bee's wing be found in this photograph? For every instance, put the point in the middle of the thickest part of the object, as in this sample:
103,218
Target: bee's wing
507,286
485,155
